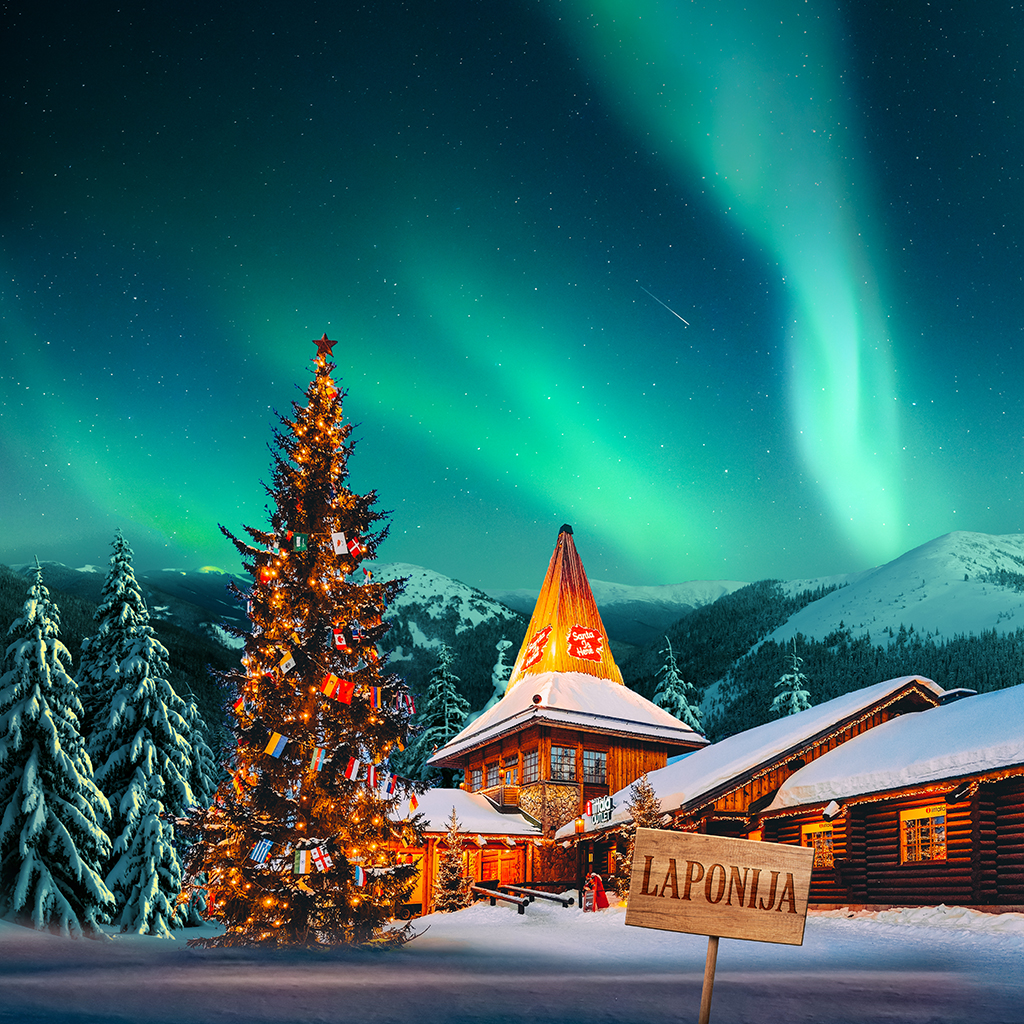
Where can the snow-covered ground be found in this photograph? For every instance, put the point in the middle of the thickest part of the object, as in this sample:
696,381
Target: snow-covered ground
489,964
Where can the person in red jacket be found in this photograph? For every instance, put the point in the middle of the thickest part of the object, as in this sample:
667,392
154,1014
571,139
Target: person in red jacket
596,886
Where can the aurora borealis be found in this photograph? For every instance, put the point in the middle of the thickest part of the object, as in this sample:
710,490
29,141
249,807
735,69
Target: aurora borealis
504,213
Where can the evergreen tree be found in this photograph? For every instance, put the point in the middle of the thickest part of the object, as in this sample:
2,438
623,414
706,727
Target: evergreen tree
674,694
154,871
793,695
203,782
52,843
439,719
300,845
141,749
501,672
118,616
451,887
644,809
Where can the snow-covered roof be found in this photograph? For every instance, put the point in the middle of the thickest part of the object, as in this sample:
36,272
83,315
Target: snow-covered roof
571,699
972,735
476,814
707,770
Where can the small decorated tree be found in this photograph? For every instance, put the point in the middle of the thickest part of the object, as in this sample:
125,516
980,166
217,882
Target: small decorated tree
299,847
674,694
52,843
451,887
793,696
644,809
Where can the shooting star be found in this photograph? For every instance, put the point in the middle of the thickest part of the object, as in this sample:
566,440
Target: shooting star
660,303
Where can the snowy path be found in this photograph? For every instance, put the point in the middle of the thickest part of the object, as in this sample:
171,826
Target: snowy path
551,966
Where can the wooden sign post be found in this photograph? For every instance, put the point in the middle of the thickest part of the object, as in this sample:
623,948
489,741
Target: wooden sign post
709,885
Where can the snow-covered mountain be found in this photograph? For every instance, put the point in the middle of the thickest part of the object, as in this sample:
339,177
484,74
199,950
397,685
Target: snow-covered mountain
960,583
631,614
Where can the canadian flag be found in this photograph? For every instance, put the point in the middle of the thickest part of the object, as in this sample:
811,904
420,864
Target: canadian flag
339,640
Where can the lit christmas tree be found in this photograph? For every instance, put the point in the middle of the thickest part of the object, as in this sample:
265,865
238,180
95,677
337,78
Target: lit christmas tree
644,809
451,887
299,846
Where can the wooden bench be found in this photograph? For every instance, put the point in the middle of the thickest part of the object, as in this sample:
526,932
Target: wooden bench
492,894
536,894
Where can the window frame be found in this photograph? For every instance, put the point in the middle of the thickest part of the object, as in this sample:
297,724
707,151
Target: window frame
600,757
566,765
914,840
531,766
824,852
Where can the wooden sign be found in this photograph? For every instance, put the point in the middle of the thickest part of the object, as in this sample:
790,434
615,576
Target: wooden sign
709,885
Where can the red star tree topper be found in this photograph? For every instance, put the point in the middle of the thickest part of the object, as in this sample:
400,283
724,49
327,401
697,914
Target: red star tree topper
290,781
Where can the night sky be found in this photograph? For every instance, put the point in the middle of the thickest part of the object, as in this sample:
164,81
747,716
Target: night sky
734,289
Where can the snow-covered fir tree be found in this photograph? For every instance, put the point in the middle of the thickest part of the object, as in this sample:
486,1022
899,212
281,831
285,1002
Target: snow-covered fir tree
141,749
203,781
52,843
300,847
793,695
501,671
644,809
451,886
153,872
440,717
674,694
119,614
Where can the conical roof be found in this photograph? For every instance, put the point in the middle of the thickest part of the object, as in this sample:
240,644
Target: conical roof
566,633
565,674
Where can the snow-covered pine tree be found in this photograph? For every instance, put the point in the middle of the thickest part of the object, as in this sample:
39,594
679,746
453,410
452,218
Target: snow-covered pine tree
203,782
439,718
300,847
119,614
141,749
52,843
674,694
451,886
501,671
793,695
644,809
152,866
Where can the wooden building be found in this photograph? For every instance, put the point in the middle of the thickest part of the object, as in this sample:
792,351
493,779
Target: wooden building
925,809
503,846
567,731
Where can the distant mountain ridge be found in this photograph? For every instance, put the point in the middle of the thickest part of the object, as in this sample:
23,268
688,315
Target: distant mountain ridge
952,608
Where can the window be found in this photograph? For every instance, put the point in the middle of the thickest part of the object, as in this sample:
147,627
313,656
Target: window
595,766
923,834
511,766
819,838
476,779
563,764
530,767
492,775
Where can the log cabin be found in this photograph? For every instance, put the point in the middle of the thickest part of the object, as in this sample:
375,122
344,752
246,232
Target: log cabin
720,789
927,808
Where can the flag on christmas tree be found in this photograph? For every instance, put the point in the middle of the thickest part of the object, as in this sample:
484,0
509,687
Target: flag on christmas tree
338,543
339,689
303,862
287,663
239,705
352,770
339,640
300,541
330,684
319,756
371,776
392,784
261,851
355,549
275,744
360,875
413,802
322,859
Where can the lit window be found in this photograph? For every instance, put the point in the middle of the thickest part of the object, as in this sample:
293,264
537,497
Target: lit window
511,766
476,778
530,767
923,834
595,766
563,764
492,774
819,838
